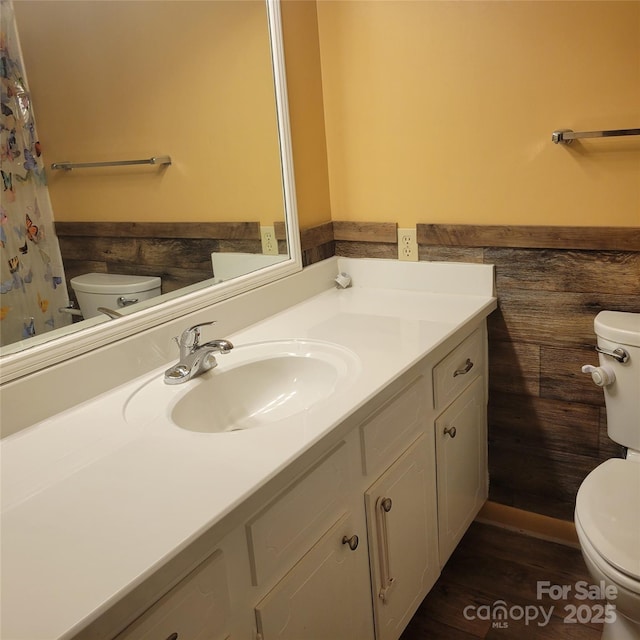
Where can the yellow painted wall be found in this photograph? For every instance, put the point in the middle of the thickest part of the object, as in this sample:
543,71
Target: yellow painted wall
128,79
442,112
434,111
306,111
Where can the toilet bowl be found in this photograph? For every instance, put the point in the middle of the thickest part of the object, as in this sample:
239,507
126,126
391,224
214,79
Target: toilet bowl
112,291
607,519
607,513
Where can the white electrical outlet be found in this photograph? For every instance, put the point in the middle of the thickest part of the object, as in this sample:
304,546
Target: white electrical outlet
407,245
269,241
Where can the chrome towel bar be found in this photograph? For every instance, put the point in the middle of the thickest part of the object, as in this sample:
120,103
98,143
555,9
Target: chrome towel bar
67,166
567,136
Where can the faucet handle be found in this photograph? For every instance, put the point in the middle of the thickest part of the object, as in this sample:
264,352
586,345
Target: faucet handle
195,332
190,338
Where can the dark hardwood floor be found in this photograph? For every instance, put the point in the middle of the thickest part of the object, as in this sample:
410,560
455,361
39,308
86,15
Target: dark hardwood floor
492,564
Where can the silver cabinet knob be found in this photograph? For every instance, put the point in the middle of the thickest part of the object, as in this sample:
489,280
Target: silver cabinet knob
450,431
352,542
386,504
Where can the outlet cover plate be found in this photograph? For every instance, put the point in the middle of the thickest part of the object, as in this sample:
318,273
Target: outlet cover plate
269,241
407,245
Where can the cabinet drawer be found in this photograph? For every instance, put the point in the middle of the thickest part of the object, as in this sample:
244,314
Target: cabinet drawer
282,532
197,608
390,430
456,371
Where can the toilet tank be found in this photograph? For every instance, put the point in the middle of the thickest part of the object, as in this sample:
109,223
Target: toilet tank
112,291
621,330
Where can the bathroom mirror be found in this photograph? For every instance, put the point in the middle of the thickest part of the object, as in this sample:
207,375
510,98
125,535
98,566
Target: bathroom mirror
223,174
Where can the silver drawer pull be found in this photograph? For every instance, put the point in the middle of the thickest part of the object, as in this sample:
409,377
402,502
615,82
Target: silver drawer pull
620,354
468,365
450,431
383,507
352,542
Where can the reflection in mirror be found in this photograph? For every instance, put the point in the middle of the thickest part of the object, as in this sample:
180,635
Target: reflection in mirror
112,81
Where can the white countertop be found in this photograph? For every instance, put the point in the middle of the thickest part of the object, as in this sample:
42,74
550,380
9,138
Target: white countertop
92,505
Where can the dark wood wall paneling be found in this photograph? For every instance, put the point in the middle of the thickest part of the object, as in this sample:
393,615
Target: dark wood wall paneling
547,422
180,253
317,243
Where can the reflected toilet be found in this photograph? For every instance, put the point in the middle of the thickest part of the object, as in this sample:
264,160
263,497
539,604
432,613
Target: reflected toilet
112,291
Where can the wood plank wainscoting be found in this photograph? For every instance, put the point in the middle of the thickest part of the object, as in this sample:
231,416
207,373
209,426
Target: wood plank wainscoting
547,423
180,253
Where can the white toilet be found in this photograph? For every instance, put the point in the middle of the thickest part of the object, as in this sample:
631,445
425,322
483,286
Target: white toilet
112,291
607,514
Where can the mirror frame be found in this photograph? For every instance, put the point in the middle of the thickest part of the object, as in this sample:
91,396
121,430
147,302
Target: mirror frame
47,353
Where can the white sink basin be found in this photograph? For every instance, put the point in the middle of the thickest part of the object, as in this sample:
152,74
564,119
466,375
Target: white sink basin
254,385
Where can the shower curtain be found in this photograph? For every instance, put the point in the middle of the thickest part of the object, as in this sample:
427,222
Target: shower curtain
32,283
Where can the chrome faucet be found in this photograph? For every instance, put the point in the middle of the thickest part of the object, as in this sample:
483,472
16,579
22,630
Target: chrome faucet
195,358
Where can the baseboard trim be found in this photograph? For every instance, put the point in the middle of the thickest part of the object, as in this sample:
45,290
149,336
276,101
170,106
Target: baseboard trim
529,523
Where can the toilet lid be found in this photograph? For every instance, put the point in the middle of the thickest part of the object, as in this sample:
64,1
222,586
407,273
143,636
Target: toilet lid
112,283
608,508
618,326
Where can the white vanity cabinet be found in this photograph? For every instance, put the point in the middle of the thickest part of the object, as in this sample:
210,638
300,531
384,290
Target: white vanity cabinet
251,534
461,439
349,547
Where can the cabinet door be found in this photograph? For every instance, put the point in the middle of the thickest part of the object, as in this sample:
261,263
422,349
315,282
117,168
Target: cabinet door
326,594
197,608
461,447
402,526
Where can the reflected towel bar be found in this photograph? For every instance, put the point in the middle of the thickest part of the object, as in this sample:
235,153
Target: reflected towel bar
567,136
67,166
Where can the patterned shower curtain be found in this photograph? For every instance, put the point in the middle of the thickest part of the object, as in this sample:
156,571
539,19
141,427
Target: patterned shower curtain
32,284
